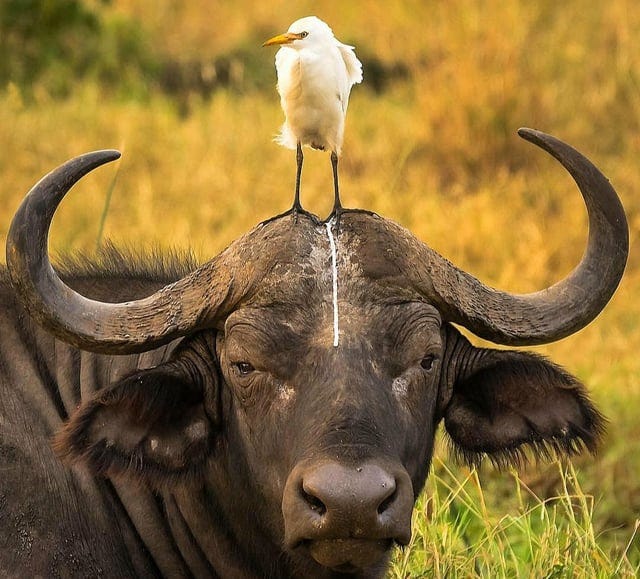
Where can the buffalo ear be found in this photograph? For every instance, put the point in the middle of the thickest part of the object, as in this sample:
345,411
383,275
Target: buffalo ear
151,425
514,400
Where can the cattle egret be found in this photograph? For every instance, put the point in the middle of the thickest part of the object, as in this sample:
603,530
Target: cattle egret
315,75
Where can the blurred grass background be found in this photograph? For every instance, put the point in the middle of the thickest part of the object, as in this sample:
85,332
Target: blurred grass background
185,90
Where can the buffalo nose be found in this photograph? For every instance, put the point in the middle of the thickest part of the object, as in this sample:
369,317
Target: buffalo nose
361,492
331,500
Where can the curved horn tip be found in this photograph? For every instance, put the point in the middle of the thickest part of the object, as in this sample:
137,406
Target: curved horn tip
86,162
532,135
113,153
554,146
104,155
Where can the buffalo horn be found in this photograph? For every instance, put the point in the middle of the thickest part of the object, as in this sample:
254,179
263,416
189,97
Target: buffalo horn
563,308
128,327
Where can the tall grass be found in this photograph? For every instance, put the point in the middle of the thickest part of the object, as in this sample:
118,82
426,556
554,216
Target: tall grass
457,535
436,151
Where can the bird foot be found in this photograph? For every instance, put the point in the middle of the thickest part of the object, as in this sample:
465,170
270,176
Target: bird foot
294,213
295,210
338,212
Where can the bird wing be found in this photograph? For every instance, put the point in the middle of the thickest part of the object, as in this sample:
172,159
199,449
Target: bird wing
354,66
351,73
289,73
289,88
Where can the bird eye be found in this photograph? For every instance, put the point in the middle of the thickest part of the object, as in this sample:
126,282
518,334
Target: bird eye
304,34
244,368
427,362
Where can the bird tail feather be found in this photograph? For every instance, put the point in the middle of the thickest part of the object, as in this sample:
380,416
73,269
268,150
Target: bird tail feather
285,138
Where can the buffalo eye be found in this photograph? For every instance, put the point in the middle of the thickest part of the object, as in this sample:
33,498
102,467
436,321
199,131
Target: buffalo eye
243,368
427,362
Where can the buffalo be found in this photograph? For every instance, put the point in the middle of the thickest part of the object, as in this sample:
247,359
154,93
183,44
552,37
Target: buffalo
272,412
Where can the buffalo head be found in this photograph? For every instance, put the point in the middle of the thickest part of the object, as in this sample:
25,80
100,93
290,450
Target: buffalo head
314,366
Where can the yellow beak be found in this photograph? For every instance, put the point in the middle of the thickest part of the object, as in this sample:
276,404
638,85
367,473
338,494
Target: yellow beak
286,38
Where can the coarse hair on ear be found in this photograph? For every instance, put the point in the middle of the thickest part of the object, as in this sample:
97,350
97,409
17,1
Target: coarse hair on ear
153,426
517,401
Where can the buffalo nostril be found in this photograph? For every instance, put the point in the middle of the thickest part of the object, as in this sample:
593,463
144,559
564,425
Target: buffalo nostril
388,501
314,503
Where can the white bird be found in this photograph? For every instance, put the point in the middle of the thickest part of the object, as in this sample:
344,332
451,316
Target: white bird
315,75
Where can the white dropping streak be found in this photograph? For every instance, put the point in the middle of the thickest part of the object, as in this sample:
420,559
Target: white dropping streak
334,272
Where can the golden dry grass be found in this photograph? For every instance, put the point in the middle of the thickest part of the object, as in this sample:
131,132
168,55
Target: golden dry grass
436,151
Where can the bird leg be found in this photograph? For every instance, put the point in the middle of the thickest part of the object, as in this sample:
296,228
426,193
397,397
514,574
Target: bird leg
297,207
337,206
